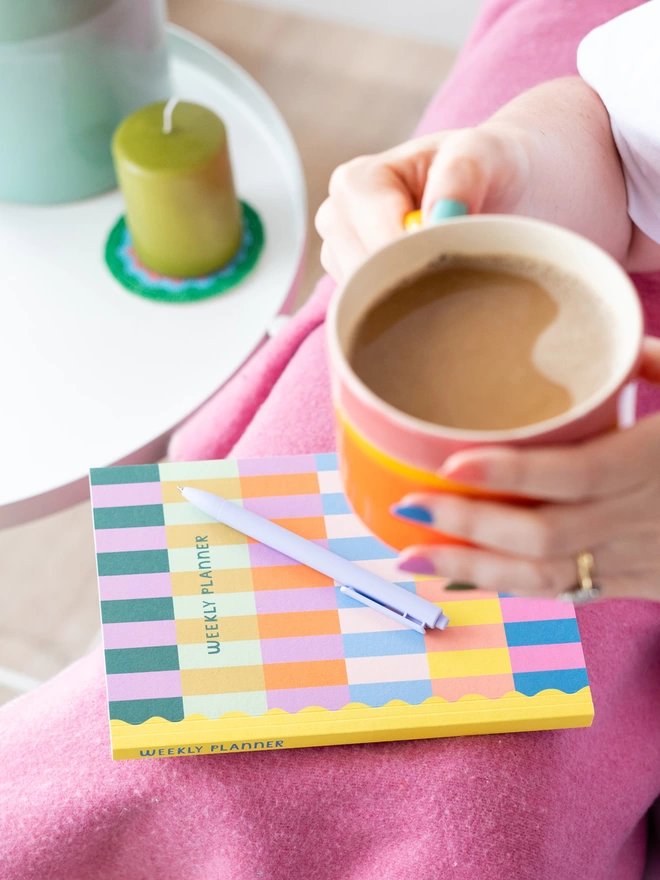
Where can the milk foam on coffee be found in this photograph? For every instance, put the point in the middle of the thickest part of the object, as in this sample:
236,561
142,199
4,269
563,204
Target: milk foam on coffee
486,343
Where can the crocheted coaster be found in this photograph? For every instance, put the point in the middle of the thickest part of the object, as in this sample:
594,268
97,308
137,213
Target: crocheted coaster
124,264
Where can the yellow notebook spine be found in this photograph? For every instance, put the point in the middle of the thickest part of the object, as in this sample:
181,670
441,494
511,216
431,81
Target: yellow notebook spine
237,733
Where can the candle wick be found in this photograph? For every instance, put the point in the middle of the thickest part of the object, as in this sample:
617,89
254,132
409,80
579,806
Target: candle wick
167,115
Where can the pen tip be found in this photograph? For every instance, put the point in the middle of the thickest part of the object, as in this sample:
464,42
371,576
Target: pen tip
180,488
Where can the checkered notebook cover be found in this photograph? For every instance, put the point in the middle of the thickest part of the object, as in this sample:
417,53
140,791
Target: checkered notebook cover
215,643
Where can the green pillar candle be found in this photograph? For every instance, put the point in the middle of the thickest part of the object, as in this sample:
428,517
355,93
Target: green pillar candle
181,206
70,71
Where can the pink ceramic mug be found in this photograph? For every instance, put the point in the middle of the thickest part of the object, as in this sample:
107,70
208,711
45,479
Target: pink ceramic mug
384,453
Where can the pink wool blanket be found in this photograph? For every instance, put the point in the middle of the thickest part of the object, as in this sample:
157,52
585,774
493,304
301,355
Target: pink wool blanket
565,805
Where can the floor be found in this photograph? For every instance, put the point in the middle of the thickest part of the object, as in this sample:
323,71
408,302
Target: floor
343,92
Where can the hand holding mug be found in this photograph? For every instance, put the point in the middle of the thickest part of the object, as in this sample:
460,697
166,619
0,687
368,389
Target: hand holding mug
485,169
392,460
603,495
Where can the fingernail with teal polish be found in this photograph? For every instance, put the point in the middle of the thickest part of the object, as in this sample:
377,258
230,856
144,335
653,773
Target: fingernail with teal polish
445,209
417,565
460,587
414,513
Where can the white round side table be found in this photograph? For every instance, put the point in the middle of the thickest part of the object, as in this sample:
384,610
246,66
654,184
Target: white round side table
92,375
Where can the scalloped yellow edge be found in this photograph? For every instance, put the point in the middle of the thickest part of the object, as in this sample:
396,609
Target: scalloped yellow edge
354,723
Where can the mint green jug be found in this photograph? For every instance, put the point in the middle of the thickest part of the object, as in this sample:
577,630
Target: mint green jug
70,71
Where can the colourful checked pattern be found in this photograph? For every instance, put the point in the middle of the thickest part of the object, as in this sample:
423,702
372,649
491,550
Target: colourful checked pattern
287,637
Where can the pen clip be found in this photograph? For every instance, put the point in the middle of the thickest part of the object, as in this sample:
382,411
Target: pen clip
402,617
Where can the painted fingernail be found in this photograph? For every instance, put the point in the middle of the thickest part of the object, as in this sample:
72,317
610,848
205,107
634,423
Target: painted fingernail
464,472
458,587
417,565
413,512
412,221
445,209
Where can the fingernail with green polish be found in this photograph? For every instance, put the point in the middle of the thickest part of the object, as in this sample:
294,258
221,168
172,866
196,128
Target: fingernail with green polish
460,587
445,209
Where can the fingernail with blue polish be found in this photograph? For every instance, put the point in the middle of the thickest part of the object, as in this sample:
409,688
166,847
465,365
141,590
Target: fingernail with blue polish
416,565
414,513
445,209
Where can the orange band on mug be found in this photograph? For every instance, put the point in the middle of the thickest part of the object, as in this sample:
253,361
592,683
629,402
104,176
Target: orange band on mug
405,471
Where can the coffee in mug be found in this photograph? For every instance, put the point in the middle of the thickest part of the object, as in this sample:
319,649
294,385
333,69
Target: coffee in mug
485,343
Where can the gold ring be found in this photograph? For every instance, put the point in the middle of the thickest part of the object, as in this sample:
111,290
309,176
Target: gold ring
585,590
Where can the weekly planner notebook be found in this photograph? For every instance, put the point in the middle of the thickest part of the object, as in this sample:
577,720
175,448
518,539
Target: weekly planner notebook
217,644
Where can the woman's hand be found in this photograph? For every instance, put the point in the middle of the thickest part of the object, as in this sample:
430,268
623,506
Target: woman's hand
485,168
548,154
602,496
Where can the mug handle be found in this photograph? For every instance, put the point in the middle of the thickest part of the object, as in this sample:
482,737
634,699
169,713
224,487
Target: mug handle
444,209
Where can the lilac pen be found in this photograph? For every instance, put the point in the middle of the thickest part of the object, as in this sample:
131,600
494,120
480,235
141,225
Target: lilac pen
391,600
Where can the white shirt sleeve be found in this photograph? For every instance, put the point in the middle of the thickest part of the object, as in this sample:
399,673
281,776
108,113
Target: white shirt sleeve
620,60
